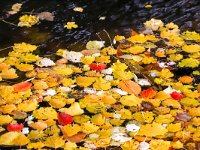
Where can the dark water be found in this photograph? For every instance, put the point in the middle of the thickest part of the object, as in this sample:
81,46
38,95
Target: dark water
121,17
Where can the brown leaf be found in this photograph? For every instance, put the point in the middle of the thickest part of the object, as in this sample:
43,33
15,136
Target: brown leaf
46,16
20,115
76,138
89,52
183,117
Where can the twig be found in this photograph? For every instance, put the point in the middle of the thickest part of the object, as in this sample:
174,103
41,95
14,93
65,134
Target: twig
5,48
9,23
108,37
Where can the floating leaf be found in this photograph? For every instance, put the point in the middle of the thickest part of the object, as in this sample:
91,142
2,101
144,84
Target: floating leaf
73,110
64,119
130,87
71,25
15,127
70,130
54,142
28,20
152,130
45,113
23,86
13,138
85,81
130,100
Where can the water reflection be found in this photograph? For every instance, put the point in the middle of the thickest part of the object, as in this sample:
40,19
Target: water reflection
120,17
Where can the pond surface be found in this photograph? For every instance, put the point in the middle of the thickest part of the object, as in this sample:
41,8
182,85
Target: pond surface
120,18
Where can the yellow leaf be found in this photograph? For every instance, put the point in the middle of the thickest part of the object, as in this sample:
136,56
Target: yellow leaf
119,38
168,118
97,107
54,142
81,119
159,145
70,130
24,67
189,102
188,35
102,142
116,122
136,49
177,145
85,81
57,102
16,7
191,48
73,110
87,59
147,117
40,125
71,25
125,114
165,73
107,99
171,103
103,59
8,108
28,21
24,47
152,130
98,119
13,138
5,119
37,145
139,38
196,121
194,111
89,127
130,145
9,74
28,105
130,100
40,85
70,146
20,140
63,70
67,82
174,127
36,135
119,71
102,84
52,130
196,136
189,62
45,113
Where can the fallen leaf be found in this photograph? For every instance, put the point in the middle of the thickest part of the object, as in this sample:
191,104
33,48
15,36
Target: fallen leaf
46,16
130,87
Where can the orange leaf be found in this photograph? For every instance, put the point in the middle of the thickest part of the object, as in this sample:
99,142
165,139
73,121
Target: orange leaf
22,86
76,138
130,87
185,79
148,93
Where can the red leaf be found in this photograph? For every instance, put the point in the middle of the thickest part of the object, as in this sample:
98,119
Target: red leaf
148,93
64,119
22,86
97,67
119,52
15,127
176,95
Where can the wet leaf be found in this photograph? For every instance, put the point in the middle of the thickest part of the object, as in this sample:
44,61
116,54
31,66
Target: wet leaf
46,16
